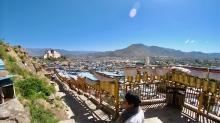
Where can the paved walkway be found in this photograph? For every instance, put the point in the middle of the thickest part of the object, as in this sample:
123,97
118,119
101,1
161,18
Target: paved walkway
166,115
84,111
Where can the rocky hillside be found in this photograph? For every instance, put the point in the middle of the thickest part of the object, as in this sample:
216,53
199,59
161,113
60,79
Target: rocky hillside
35,100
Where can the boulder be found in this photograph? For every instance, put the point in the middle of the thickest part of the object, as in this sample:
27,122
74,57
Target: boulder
5,114
13,111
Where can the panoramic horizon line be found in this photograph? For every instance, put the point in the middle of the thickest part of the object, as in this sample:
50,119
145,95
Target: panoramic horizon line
124,48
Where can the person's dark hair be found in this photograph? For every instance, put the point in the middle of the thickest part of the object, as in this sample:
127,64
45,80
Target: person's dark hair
132,99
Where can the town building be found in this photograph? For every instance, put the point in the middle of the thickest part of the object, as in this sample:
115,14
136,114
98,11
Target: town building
51,54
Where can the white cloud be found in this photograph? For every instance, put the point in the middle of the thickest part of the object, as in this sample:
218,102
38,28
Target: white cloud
187,41
133,12
190,41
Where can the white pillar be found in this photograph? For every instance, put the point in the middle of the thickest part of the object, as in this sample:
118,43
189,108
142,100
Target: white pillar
1,95
14,91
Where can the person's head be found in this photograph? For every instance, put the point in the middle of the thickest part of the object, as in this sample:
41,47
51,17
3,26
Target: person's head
131,100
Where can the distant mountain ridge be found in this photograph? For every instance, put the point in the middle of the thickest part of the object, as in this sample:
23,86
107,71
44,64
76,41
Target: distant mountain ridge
141,51
135,50
40,52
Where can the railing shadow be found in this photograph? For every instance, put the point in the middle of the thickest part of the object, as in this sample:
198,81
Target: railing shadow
82,113
165,114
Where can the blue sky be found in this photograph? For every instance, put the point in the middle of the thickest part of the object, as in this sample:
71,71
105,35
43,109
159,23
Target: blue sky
100,25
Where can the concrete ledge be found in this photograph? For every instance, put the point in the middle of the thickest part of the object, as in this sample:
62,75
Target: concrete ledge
151,102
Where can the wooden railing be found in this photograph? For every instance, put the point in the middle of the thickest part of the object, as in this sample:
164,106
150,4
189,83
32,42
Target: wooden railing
103,94
201,95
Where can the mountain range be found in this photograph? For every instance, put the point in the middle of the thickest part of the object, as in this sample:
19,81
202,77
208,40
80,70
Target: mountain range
134,50
38,52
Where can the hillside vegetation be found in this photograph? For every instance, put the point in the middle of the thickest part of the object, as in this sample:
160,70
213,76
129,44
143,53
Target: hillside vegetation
32,89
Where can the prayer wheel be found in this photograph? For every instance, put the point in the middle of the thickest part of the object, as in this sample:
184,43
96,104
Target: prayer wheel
198,83
213,87
192,81
205,85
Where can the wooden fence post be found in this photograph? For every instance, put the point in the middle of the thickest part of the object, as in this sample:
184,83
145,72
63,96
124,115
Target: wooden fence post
200,105
100,96
116,100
